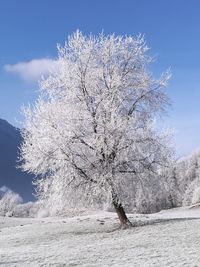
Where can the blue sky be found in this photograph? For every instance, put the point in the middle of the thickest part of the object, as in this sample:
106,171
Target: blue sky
30,30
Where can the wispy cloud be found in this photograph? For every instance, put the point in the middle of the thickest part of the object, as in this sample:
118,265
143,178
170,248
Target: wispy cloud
4,189
32,70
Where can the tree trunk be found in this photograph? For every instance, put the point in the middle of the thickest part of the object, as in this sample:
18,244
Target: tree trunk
124,221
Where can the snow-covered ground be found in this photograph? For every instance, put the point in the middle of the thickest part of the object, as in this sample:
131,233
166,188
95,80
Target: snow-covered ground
168,238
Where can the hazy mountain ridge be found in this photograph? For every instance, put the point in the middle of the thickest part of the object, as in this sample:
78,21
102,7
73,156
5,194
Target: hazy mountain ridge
10,176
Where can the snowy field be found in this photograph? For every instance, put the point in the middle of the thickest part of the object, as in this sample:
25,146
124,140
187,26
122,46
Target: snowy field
168,238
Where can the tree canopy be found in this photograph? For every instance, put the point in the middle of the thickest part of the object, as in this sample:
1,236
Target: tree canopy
90,136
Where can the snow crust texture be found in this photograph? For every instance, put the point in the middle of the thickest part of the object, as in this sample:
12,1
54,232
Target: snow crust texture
165,239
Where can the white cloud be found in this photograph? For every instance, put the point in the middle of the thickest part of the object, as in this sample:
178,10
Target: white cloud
32,70
4,189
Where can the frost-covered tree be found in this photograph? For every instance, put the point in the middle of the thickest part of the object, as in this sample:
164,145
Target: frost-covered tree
172,185
182,180
189,174
91,135
9,200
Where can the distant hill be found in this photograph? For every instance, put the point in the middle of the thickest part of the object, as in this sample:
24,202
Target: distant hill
10,176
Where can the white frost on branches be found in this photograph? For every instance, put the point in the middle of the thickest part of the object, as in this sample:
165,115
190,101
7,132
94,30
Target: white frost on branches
90,137
8,201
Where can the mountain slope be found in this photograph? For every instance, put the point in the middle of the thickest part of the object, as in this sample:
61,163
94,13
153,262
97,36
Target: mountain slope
10,176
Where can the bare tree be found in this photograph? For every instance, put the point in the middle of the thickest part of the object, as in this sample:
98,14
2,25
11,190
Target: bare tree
92,126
